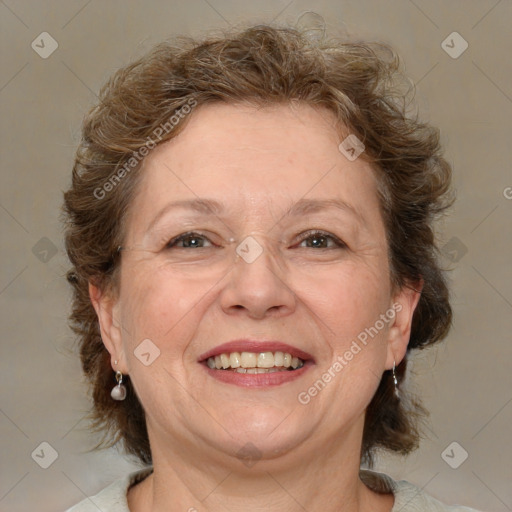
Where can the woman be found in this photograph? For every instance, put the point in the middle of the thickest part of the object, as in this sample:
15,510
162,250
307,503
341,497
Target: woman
250,229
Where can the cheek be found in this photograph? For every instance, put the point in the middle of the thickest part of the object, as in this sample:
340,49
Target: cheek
346,299
159,304
347,306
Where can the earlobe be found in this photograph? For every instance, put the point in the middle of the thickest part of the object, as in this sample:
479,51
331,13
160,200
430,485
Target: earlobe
404,305
106,310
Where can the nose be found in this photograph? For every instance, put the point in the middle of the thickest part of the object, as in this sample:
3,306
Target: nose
257,288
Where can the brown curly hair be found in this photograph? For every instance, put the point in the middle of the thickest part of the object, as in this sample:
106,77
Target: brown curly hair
361,83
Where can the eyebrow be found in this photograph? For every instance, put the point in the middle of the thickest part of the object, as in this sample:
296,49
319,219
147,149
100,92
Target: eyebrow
301,207
307,206
201,206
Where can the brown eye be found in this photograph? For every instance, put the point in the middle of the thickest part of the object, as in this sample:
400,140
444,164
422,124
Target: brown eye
189,241
321,240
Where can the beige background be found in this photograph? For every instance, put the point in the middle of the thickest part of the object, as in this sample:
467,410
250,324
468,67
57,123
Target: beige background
466,383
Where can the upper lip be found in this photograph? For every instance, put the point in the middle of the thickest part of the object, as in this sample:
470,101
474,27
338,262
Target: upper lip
255,346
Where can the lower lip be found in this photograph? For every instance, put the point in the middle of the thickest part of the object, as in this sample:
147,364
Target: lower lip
257,380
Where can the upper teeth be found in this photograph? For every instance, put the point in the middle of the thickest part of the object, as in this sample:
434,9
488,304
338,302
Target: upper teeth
254,360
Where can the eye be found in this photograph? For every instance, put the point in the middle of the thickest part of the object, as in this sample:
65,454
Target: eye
321,240
190,240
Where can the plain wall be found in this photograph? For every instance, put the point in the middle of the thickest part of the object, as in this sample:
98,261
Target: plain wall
465,383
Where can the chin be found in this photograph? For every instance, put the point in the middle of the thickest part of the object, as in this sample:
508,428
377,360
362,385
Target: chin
265,434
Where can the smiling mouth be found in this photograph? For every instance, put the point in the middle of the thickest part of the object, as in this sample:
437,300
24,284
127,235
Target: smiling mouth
255,362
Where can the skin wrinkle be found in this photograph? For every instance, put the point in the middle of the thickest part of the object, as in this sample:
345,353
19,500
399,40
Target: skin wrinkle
189,304
204,208
317,305
340,228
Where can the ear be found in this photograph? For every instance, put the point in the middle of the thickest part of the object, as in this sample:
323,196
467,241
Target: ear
404,305
106,307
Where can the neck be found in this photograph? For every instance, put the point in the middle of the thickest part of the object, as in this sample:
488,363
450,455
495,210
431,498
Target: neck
324,480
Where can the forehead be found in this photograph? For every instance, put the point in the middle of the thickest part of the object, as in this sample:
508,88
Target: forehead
279,132
255,160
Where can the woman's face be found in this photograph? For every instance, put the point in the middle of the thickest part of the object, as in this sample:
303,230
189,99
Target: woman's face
288,250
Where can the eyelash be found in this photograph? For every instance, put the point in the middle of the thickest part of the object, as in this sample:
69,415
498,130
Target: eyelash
316,233
184,236
309,234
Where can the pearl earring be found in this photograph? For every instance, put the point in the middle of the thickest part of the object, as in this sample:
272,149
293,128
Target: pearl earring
118,392
395,381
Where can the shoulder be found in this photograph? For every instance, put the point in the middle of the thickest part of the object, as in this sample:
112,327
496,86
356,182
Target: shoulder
408,497
113,497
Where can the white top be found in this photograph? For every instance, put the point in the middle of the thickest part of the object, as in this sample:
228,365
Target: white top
408,497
